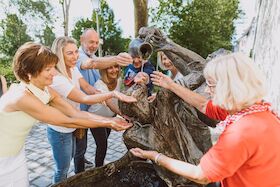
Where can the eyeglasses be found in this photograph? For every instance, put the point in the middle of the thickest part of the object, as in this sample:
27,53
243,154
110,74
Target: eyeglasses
211,86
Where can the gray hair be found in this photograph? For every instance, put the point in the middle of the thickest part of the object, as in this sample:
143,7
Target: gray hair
239,83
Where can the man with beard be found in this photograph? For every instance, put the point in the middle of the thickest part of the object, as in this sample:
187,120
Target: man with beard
89,64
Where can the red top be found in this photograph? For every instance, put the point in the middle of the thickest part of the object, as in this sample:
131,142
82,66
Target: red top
247,153
215,112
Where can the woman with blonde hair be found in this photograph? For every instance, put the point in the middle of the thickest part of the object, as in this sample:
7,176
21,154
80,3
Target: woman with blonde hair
32,100
247,152
67,82
166,64
110,80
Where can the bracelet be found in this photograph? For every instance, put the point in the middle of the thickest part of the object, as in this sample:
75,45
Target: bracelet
157,158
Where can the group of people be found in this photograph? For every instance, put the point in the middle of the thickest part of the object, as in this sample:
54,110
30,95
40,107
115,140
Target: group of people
72,90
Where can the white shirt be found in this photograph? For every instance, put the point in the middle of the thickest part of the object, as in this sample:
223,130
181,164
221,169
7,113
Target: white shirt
101,109
64,86
178,76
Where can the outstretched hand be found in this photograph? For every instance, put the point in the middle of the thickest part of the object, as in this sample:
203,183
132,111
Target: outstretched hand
123,59
143,154
161,80
122,97
119,124
141,78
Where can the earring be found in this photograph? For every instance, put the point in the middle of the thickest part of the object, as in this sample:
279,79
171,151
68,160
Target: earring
29,76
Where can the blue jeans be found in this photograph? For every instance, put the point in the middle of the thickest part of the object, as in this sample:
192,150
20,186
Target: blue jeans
63,147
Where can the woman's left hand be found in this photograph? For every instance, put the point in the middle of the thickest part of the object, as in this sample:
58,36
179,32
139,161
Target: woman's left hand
123,97
144,154
141,78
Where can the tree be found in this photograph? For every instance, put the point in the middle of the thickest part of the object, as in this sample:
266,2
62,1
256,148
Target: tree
110,32
266,49
14,35
140,14
47,37
65,7
201,26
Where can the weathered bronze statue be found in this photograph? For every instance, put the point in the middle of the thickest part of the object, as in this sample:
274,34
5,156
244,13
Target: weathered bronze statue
168,124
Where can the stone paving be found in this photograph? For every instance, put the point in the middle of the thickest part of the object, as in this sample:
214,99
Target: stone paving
39,155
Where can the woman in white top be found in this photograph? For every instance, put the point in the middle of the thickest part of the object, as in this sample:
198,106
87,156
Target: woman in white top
32,100
109,81
166,64
67,82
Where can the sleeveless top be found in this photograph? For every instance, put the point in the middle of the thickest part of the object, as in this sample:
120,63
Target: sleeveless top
16,125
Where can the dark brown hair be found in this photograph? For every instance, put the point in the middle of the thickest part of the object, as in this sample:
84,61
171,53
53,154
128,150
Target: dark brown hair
30,59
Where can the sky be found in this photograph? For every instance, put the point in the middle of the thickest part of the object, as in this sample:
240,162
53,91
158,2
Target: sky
124,13
123,10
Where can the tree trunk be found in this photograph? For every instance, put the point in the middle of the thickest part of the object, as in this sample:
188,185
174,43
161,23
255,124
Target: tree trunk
267,49
140,14
65,8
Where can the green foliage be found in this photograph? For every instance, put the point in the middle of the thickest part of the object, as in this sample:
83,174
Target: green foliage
14,35
6,70
37,9
199,25
47,37
37,14
110,32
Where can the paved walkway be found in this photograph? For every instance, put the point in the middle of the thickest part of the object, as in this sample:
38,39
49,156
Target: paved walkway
39,156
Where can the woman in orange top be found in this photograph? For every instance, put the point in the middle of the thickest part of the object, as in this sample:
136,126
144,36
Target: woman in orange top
247,152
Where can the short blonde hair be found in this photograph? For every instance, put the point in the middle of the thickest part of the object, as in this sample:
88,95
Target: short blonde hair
239,84
57,47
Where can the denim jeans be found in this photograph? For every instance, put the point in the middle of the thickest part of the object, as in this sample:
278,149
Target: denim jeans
63,147
100,136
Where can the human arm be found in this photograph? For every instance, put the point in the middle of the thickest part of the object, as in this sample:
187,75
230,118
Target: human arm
4,84
122,59
184,169
61,113
191,97
87,87
114,108
65,88
80,97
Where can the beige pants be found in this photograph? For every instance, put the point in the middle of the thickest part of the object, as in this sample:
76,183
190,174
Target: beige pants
13,171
